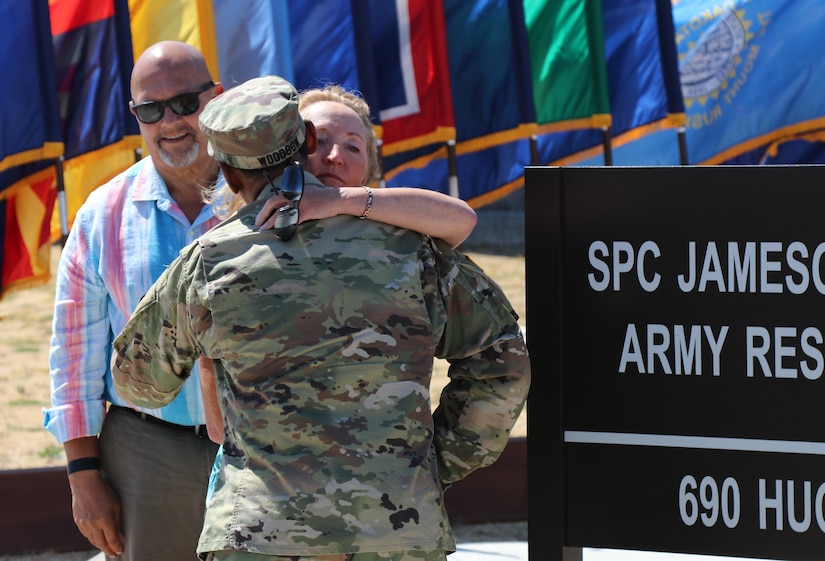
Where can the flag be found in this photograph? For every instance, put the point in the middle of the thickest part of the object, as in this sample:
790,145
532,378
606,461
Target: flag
750,80
484,175
642,78
26,243
412,73
393,52
602,73
253,39
190,21
489,67
569,72
642,68
93,59
30,142
331,43
766,83
30,124
328,43
568,64
464,93
805,149
521,72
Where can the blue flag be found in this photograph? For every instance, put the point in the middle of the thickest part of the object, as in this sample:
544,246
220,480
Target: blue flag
253,38
751,78
30,128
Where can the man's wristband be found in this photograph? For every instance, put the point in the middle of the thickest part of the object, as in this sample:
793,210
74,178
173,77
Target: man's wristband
82,464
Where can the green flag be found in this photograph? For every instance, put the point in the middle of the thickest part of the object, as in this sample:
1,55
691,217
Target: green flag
567,59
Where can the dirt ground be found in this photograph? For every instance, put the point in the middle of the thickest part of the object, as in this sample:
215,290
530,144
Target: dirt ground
25,324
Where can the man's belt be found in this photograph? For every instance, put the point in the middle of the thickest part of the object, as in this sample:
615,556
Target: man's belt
197,430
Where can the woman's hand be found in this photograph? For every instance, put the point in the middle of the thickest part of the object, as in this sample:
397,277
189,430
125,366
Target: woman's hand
421,210
316,203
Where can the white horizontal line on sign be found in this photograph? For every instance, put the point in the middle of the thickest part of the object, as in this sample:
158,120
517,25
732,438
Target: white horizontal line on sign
704,442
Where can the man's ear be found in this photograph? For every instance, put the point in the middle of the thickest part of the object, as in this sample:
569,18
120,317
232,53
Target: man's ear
312,137
234,178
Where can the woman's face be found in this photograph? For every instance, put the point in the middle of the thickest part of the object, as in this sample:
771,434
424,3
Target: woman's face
341,157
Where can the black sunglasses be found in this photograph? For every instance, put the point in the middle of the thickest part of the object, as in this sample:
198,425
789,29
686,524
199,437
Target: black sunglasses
292,189
183,104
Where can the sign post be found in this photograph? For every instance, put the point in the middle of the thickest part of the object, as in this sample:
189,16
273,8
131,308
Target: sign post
677,334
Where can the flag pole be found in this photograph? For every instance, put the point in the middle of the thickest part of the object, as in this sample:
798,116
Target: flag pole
382,182
608,149
453,168
534,150
61,199
683,153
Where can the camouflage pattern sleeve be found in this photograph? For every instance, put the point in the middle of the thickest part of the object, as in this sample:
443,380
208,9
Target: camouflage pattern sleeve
489,366
155,352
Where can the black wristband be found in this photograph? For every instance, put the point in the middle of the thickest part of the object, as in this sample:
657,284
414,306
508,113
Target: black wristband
82,464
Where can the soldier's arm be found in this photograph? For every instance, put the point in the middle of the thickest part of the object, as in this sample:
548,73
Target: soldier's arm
489,371
156,350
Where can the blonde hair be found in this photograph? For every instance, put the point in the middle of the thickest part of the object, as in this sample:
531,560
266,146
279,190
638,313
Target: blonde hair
354,101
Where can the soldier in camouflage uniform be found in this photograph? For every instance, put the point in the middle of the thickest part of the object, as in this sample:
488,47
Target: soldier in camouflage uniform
323,348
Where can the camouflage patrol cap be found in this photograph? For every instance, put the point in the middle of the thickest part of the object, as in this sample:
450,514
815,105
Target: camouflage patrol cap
255,124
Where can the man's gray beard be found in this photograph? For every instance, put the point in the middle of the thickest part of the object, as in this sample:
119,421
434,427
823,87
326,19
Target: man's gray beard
188,157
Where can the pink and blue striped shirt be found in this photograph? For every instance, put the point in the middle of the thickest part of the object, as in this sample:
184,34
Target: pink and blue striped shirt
123,237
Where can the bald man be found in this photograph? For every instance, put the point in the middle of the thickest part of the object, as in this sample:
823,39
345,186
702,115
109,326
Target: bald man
138,476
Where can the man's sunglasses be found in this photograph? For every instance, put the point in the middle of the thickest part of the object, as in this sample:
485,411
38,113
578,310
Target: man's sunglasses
292,189
183,104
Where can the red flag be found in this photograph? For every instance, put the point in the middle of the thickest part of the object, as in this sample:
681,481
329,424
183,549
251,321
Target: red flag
412,47
93,58
26,246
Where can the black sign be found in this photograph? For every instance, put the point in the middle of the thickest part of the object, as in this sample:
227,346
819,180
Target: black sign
676,317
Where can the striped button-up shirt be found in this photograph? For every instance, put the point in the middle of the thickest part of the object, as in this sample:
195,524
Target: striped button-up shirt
123,237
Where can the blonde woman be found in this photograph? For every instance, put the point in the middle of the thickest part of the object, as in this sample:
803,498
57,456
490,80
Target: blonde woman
347,158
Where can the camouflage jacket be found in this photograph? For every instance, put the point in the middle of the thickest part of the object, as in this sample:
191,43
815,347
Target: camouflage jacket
323,349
